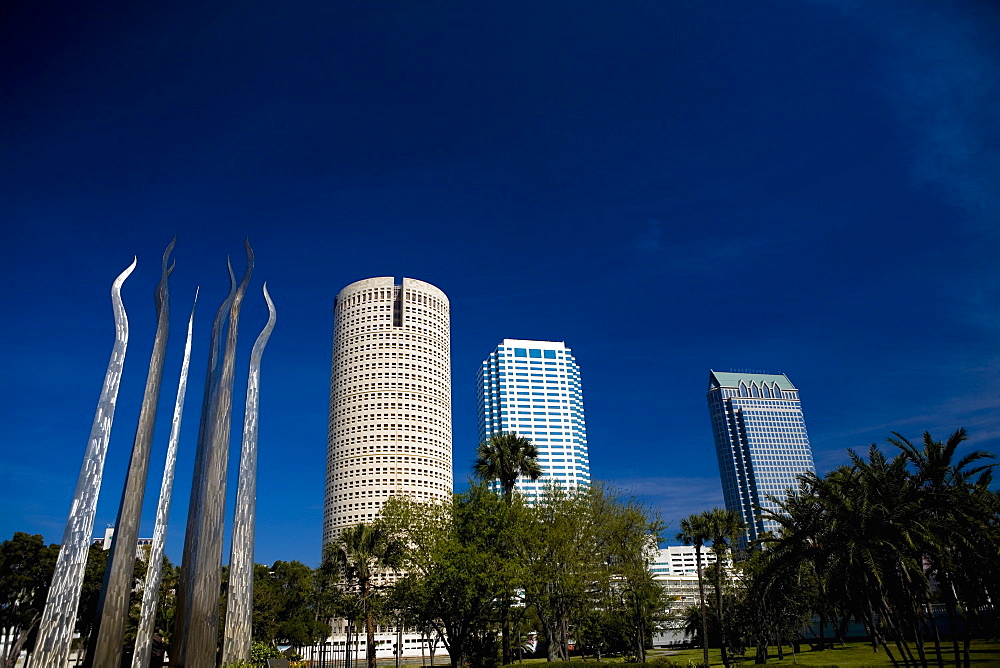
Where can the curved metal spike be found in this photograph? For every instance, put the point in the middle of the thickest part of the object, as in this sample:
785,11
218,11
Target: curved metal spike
205,577
236,639
147,616
55,631
113,604
196,506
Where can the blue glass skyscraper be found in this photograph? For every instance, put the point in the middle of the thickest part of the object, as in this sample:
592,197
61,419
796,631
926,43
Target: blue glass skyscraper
760,440
533,388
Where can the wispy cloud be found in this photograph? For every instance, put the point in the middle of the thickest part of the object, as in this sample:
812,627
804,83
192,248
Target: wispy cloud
941,76
674,497
650,240
656,246
977,410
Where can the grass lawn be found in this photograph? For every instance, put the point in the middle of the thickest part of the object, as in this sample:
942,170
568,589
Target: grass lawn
852,654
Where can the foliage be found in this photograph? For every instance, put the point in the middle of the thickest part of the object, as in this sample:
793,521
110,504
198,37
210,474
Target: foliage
724,527
694,531
882,541
455,577
505,457
580,560
361,553
284,605
260,652
26,567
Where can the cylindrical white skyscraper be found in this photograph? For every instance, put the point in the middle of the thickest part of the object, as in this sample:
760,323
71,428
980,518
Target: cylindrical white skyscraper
390,400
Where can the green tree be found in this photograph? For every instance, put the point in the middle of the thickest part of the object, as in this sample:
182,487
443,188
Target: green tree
454,574
423,528
505,457
26,568
800,555
694,531
363,551
952,506
628,537
587,552
723,527
562,554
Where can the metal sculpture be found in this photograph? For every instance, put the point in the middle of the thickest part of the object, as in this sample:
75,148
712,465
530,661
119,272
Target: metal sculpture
203,572
147,616
55,631
196,506
105,646
239,604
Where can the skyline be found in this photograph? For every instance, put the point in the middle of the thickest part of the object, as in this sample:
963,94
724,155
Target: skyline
804,188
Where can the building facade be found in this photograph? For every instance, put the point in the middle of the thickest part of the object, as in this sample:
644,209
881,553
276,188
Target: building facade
760,440
533,388
675,568
390,428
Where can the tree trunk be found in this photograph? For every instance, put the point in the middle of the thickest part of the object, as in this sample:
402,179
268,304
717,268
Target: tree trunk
348,663
552,633
718,610
22,637
704,610
842,629
505,633
456,652
920,640
937,635
369,627
760,657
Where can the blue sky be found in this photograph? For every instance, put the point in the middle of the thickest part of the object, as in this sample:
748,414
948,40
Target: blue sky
801,187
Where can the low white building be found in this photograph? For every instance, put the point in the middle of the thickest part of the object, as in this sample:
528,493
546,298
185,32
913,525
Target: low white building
676,569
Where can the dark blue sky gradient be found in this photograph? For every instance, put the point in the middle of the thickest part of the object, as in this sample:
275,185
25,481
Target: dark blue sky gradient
669,187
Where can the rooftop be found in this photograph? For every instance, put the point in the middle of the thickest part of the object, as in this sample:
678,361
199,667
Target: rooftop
733,378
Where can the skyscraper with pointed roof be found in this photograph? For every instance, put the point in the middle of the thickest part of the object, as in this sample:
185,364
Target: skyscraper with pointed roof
760,440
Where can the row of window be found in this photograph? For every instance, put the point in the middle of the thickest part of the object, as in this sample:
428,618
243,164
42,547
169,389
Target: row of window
343,386
343,473
396,484
386,294
391,349
346,401
441,344
398,442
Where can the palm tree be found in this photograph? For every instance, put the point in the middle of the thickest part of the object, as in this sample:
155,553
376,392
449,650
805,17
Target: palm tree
723,528
505,457
694,531
875,521
801,551
362,551
949,509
